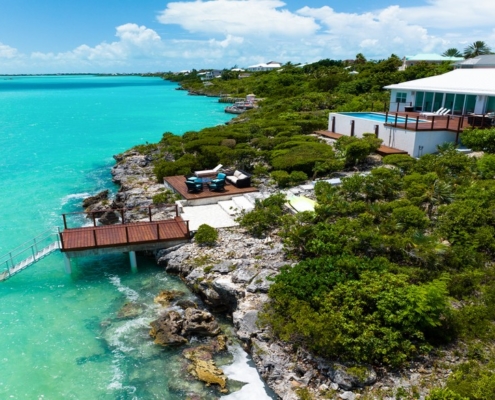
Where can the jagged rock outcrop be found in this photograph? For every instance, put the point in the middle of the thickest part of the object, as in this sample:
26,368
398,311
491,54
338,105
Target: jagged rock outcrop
91,200
167,329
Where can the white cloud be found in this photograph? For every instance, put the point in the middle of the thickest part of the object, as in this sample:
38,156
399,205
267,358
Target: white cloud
238,17
223,33
7,51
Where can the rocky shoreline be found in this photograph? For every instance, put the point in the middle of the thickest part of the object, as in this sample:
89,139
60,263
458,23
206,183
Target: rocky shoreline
233,277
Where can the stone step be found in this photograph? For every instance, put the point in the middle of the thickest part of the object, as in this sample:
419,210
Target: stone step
229,207
211,214
243,203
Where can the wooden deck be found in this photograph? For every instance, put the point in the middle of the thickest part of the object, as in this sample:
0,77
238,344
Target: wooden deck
386,151
329,135
177,183
451,123
383,150
86,238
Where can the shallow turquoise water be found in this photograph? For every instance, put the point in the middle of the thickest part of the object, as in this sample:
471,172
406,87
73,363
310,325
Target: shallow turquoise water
61,337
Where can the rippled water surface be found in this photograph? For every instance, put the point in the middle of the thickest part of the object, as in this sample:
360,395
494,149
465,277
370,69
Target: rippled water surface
61,334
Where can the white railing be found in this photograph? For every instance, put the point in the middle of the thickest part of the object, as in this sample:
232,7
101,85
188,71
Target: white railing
29,253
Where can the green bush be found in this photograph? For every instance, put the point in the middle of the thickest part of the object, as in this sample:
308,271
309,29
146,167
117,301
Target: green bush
166,197
444,394
301,157
297,177
473,380
282,178
378,318
206,235
266,215
403,161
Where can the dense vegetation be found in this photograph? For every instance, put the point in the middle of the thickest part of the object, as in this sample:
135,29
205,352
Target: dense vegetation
296,102
392,265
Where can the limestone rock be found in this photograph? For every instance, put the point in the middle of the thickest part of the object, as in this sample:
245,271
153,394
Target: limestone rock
197,322
204,368
165,296
246,324
109,218
166,329
89,201
260,283
349,378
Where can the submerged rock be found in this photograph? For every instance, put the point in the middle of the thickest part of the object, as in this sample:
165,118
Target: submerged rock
203,367
130,310
166,296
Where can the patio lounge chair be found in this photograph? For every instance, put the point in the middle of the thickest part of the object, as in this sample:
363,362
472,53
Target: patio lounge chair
208,172
440,111
217,185
194,186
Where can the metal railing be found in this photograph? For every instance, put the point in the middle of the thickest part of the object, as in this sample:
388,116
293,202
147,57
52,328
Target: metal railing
29,253
148,212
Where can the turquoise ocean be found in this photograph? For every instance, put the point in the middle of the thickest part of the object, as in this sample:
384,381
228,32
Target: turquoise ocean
60,335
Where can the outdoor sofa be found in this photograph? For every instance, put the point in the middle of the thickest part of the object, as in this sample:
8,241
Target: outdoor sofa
239,178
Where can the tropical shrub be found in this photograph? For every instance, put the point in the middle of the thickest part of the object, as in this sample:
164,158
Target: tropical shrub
206,235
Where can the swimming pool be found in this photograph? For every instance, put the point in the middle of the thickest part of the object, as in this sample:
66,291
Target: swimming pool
380,117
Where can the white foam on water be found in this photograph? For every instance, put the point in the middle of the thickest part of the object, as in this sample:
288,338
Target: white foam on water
74,196
242,371
118,375
129,293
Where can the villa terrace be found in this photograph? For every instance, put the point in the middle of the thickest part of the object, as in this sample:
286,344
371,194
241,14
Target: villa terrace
177,184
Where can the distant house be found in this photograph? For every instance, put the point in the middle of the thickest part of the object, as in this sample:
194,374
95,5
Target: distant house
209,75
430,58
269,66
485,61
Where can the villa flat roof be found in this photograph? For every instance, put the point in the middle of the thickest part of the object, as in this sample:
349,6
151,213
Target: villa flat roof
465,81
432,57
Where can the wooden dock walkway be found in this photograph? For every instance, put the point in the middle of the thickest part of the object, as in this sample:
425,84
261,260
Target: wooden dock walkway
92,237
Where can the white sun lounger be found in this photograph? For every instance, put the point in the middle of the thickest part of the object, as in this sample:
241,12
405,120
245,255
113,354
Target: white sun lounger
440,111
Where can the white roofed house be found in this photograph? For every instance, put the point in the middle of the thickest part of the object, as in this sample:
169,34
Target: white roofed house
269,66
427,112
429,58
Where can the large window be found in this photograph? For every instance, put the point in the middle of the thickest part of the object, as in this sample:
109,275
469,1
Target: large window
418,105
401,97
490,105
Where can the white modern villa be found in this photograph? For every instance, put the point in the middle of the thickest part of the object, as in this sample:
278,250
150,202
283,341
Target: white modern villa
424,113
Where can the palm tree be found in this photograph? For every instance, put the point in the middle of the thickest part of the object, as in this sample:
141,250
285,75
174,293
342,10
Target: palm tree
452,52
477,48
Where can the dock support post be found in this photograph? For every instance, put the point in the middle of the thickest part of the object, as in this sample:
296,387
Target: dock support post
68,268
132,258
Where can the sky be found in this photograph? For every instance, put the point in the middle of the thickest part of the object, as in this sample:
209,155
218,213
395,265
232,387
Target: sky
122,36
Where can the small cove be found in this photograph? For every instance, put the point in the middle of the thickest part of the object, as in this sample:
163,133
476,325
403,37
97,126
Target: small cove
62,333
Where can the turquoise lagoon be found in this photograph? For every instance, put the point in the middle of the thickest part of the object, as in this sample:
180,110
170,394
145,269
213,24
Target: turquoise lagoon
61,337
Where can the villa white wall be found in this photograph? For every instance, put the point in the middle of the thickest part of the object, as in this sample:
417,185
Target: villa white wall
410,99
430,141
402,139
